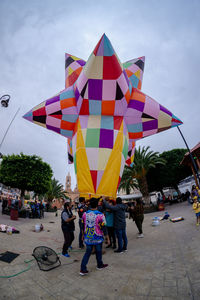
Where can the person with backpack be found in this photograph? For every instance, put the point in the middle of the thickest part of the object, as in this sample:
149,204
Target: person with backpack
68,227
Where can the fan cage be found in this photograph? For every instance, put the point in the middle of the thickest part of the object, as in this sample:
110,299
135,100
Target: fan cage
46,258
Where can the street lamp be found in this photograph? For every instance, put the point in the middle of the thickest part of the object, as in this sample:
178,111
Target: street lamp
5,100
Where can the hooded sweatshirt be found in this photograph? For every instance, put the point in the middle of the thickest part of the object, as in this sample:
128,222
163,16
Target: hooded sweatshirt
119,215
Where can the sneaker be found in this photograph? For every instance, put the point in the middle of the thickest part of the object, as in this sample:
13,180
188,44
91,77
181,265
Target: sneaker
66,255
70,247
83,273
118,251
125,249
102,267
140,235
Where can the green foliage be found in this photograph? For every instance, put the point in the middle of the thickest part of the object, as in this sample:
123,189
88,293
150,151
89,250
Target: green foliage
55,191
144,160
27,197
168,175
25,173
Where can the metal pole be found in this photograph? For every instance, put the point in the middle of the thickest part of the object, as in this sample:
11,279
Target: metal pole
191,156
9,127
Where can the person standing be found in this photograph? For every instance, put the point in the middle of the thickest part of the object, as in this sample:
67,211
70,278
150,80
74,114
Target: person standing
4,205
119,223
110,227
94,230
68,227
196,207
81,209
138,213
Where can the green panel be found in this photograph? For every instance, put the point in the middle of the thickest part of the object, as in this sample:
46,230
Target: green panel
125,149
92,138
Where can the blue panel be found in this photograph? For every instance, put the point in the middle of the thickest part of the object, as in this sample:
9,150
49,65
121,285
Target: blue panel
70,118
67,133
107,122
94,107
134,81
67,94
108,49
134,127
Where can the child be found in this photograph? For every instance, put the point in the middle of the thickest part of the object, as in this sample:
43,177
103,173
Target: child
196,207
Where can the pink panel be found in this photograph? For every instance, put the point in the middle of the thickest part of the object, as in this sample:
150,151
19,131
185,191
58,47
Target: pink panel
99,176
109,89
53,121
149,132
70,111
83,121
151,107
122,83
53,107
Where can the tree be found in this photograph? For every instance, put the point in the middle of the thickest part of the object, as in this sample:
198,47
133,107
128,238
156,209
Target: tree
128,180
55,191
171,174
144,160
25,173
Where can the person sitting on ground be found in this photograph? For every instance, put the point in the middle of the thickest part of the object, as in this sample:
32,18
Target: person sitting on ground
94,230
68,227
138,212
110,227
119,223
196,207
81,209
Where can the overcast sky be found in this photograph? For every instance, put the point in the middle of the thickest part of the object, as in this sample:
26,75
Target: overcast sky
34,36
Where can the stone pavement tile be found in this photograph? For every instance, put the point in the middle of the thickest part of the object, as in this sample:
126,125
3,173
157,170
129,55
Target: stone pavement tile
71,291
154,298
157,282
143,288
196,290
164,292
170,283
6,293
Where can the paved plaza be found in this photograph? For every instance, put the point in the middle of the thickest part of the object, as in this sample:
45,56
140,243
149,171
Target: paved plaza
165,264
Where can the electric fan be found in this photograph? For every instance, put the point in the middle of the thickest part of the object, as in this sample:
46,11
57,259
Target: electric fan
46,258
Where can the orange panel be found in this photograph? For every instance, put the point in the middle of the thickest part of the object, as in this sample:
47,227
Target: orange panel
108,108
137,95
67,125
129,73
135,135
67,103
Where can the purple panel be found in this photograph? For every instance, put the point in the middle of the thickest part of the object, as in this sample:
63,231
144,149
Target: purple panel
165,110
100,50
126,77
136,105
81,62
53,128
76,94
52,100
106,138
149,125
95,89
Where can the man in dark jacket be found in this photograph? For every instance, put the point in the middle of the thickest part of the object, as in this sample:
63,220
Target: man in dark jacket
119,223
68,227
81,209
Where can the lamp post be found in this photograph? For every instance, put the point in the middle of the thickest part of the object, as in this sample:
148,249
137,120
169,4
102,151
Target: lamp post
4,103
191,156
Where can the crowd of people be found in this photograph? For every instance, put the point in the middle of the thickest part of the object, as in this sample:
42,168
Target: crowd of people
100,219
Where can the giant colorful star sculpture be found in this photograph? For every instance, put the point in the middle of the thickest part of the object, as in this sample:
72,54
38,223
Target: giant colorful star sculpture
102,112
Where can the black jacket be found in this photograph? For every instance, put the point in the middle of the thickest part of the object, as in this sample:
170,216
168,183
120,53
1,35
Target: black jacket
119,215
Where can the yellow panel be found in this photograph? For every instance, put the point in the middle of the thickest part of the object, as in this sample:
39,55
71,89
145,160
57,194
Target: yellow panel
39,106
70,71
84,180
75,58
137,74
41,124
164,120
103,158
94,67
110,178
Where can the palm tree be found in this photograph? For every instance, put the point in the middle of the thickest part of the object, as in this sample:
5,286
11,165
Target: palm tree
55,191
128,181
143,161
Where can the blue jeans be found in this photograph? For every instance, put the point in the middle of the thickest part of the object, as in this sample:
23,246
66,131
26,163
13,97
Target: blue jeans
122,239
80,233
87,256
